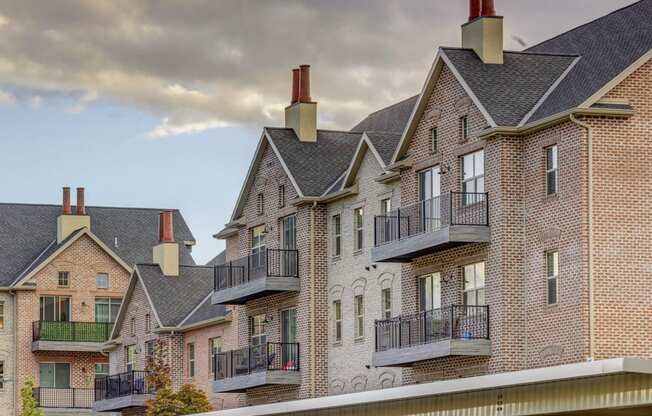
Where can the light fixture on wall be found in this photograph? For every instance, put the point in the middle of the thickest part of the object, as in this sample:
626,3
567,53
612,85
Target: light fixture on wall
367,268
445,168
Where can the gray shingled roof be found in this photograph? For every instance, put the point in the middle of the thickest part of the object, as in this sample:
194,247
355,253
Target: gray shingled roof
607,45
390,119
174,297
317,165
206,311
26,230
385,143
509,91
217,260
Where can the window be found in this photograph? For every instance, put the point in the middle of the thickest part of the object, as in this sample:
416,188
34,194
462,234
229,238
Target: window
385,206
358,304
257,330
191,360
149,350
433,140
102,281
55,308
2,315
132,326
261,204
63,279
148,324
54,375
2,375
258,246
281,196
358,232
106,309
337,235
473,176
464,128
552,275
429,292
337,310
214,347
101,369
386,302
552,176
131,357
474,292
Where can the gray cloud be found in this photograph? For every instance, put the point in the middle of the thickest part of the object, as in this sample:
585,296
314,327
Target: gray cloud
202,64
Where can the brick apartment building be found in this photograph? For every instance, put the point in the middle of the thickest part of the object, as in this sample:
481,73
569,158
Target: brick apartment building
64,272
166,313
520,230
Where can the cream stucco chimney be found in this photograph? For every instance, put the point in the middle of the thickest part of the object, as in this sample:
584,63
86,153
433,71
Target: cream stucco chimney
484,32
166,253
301,114
67,222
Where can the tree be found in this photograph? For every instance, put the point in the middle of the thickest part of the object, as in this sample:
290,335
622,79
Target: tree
166,402
30,407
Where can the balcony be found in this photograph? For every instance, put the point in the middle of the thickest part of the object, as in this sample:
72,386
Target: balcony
53,398
456,330
255,276
70,336
121,391
432,225
256,366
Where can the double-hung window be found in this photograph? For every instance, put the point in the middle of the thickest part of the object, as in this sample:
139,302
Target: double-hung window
63,280
337,311
552,170
337,235
474,280
358,303
386,302
358,229
191,359
473,177
552,277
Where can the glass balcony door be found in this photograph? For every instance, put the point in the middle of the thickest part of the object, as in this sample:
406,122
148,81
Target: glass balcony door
289,339
430,307
429,198
288,245
54,375
258,252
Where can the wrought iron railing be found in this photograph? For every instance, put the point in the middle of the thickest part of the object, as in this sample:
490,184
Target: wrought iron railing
71,331
271,356
120,385
452,322
454,208
266,263
50,397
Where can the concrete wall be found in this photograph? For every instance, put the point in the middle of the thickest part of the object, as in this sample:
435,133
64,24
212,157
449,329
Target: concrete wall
348,276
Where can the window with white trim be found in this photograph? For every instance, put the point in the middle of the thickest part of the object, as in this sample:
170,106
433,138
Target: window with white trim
337,235
386,302
552,169
473,174
191,359
358,304
358,229
474,280
552,277
337,312
102,280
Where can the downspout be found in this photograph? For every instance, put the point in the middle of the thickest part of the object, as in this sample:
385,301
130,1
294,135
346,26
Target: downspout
589,133
312,299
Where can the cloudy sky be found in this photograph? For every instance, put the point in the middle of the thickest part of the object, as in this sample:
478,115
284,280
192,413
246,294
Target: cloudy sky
159,103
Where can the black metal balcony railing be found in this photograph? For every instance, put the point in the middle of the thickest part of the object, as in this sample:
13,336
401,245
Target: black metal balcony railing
454,208
266,263
452,322
120,385
272,356
71,331
63,398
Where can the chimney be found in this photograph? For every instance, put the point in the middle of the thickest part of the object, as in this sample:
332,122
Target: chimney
301,114
67,222
484,32
166,253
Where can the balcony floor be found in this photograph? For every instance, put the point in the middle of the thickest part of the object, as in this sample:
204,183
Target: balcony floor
408,248
119,403
255,289
240,384
406,357
70,346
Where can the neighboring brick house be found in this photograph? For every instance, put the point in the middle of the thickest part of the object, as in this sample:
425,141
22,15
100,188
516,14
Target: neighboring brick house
64,270
167,311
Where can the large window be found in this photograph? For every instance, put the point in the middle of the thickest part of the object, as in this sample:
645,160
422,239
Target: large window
386,302
214,347
337,235
54,375
55,308
337,311
473,173
101,369
552,276
358,303
191,359
429,292
552,170
131,356
474,291
257,329
106,309
258,246
358,229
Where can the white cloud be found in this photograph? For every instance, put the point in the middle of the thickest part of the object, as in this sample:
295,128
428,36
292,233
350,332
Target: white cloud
7,98
166,128
36,101
3,21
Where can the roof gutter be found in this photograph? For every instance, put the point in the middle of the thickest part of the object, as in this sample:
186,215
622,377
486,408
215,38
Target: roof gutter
555,119
307,200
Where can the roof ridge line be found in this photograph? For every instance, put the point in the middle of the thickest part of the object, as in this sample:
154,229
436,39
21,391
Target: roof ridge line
35,204
392,105
585,24
524,52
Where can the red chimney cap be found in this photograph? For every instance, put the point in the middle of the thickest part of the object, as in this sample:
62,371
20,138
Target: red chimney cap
81,205
488,8
304,89
474,9
65,206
